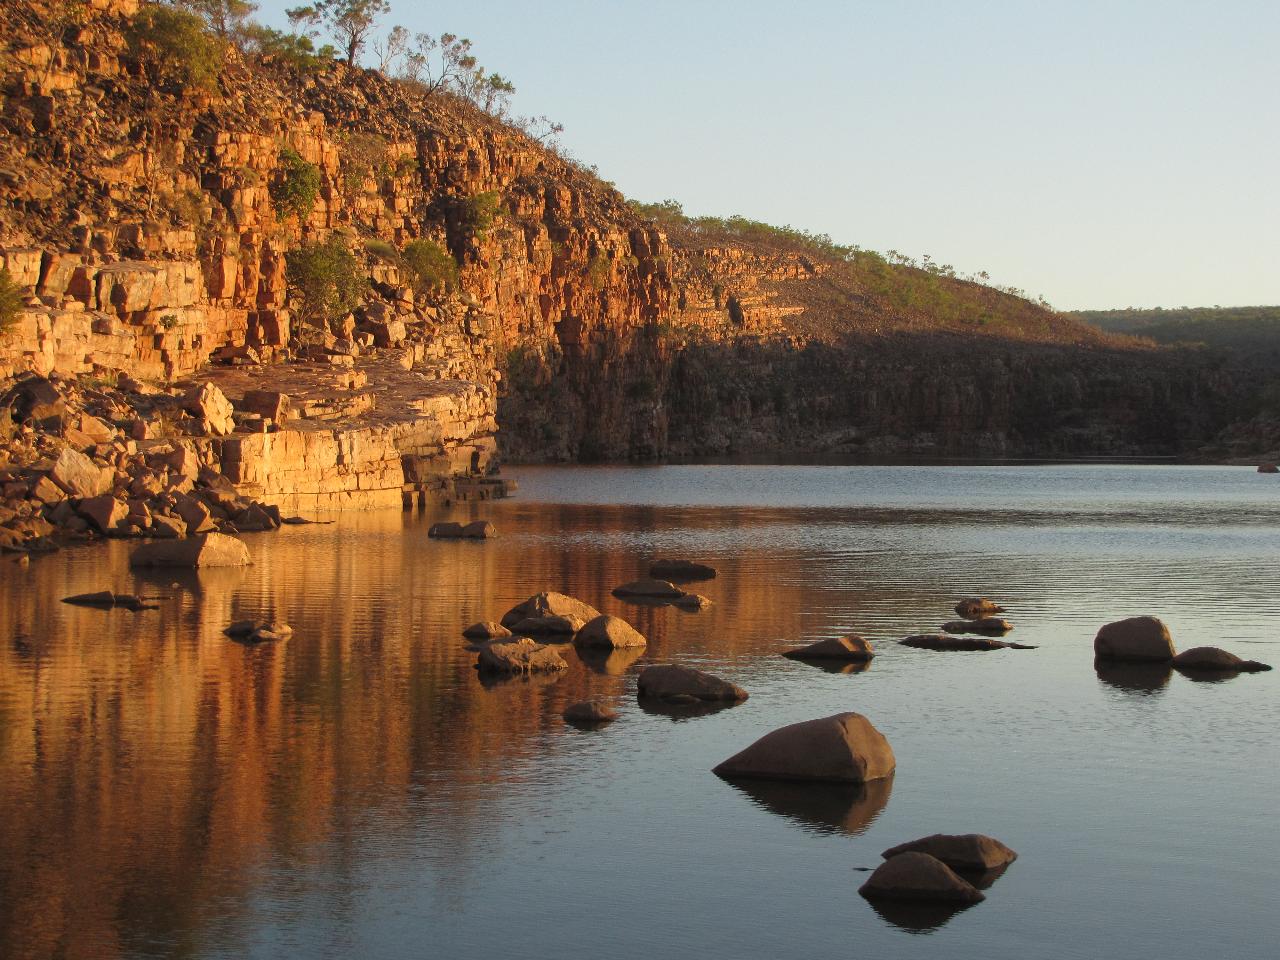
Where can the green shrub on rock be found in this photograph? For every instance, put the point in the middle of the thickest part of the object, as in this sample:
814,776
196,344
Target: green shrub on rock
11,301
178,40
430,267
297,186
324,279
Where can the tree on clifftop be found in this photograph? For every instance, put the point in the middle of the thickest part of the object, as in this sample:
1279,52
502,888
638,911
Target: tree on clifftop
351,22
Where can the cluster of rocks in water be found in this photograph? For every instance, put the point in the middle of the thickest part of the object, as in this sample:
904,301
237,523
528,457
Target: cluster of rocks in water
1147,641
80,462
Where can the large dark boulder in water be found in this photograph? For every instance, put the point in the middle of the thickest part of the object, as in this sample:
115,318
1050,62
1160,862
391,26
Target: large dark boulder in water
206,550
918,876
959,851
1215,659
852,648
1137,638
845,748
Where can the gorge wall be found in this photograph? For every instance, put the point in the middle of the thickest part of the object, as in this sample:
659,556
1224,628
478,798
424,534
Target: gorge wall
142,218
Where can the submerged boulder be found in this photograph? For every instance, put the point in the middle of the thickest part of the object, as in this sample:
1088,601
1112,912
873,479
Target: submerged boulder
852,647
691,601
681,570
648,588
486,630
549,605
1215,659
520,656
609,632
1137,638
959,851
670,682
975,608
258,631
589,712
947,641
918,876
206,550
844,748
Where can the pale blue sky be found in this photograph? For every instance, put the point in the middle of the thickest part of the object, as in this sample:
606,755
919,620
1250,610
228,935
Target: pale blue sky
1099,153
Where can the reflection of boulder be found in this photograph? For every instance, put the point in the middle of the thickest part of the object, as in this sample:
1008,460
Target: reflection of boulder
684,709
1133,677
613,663
840,666
589,713
847,808
1137,638
844,748
916,916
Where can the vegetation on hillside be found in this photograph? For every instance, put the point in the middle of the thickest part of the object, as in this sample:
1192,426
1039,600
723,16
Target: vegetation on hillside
1227,328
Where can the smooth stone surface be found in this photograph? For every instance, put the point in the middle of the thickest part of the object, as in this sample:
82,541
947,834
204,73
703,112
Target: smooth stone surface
648,588
1215,658
674,683
609,632
206,550
520,656
549,605
1137,638
589,711
975,608
959,851
486,630
918,876
950,642
685,571
844,748
852,647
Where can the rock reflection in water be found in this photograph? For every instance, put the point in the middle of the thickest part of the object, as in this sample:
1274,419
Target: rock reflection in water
611,663
915,916
1144,679
846,808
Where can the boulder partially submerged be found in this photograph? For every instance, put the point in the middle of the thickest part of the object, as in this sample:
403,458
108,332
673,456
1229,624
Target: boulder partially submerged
106,600
1216,660
1137,638
948,642
662,589
520,656
851,648
609,633
684,684
551,624
205,550
990,626
959,851
451,530
691,601
918,876
486,630
259,631
975,608
681,571
589,712
844,748
549,605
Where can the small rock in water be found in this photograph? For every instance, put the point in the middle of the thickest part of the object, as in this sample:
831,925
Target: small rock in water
519,656
486,630
1268,468
106,600
853,648
549,605
963,851
648,588
993,626
1137,638
1216,659
548,624
590,712
918,876
691,601
609,632
948,642
479,530
258,631
974,608
669,682
449,530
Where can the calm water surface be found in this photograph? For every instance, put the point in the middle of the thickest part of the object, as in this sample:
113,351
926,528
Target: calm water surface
358,792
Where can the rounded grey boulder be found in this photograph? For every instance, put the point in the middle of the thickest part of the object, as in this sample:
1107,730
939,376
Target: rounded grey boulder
844,748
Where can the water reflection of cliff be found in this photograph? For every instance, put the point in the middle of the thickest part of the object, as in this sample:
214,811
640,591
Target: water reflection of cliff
148,765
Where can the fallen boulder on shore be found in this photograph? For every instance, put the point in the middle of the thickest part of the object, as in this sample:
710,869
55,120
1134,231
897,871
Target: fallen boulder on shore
918,876
684,684
959,851
1216,659
549,605
684,571
948,642
205,550
844,748
1137,638
852,648
520,656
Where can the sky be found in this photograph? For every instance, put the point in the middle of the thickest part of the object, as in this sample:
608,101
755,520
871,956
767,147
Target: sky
1099,154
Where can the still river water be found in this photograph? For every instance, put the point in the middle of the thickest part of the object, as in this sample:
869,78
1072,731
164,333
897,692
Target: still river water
357,792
